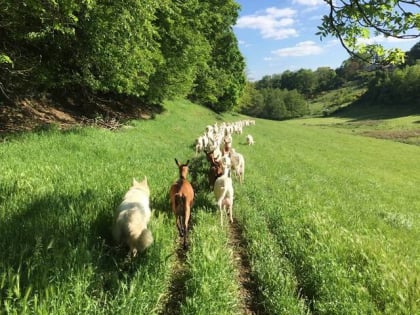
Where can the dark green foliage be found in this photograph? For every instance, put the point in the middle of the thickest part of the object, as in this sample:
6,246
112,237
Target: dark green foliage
220,81
119,47
398,87
251,100
327,78
184,47
351,21
413,56
306,81
34,35
351,68
276,104
153,50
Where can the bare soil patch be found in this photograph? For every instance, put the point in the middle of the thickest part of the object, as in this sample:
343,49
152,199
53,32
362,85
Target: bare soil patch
177,292
249,289
65,110
395,135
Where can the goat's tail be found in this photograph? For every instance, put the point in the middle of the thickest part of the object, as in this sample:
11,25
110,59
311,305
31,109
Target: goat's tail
180,201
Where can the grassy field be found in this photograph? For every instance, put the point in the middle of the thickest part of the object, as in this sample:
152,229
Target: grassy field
328,217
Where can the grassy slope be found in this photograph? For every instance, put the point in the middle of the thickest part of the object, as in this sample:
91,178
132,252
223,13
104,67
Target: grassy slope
341,211
338,194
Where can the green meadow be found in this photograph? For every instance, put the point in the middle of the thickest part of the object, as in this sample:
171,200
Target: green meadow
328,214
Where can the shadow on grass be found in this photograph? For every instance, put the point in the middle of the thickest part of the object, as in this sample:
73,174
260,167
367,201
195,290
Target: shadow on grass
55,237
362,110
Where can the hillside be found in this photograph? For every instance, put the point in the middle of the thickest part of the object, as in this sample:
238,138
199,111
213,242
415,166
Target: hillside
66,110
111,112
323,223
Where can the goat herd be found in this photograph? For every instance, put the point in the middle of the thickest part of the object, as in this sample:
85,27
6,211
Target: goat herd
133,214
216,142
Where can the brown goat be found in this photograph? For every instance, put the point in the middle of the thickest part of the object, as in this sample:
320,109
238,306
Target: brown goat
182,198
216,170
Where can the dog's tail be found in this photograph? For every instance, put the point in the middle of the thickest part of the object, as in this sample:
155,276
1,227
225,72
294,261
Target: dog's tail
144,240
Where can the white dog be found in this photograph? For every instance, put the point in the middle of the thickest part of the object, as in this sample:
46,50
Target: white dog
132,217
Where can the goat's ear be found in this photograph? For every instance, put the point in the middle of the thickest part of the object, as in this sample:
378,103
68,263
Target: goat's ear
188,162
176,161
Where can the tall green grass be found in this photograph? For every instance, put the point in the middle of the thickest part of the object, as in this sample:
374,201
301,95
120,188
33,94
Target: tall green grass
330,220
344,209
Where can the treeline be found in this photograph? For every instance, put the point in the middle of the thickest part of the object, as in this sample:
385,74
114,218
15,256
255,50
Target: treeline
400,87
149,49
294,90
272,103
285,95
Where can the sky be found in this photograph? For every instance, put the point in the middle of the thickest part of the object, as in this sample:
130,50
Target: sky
279,35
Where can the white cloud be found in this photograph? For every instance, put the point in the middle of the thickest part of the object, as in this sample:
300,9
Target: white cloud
310,3
243,43
383,40
272,23
306,48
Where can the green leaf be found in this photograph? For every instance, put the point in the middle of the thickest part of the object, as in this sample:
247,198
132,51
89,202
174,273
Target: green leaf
5,59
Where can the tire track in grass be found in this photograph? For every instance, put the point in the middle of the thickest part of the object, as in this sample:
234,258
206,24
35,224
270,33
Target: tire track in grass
249,291
177,293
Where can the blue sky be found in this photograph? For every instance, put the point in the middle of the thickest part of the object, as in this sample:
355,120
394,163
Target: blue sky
275,36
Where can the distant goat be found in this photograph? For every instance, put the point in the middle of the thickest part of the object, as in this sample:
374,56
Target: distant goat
238,164
182,198
200,143
249,140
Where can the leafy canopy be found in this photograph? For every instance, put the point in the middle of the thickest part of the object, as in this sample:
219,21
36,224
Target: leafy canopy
354,21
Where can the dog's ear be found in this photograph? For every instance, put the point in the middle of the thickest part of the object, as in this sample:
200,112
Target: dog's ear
143,184
134,181
176,161
188,162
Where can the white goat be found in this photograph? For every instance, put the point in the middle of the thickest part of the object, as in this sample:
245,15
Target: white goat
223,190
249,140
201,143
238,164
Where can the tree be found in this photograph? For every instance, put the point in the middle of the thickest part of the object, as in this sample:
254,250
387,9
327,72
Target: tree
264,83
295,103
184,48
221,79
117,47
288,80
326,78
354,19
151,50
413,56
305,81
274,104
351,68
251,101
31,32
398,87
